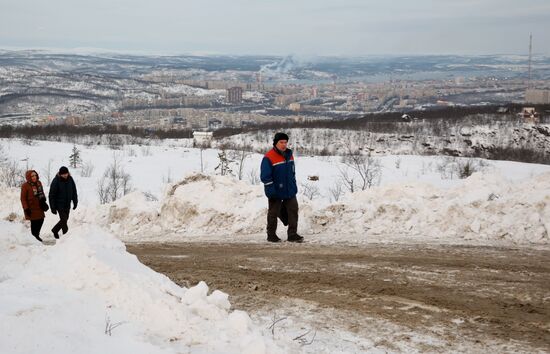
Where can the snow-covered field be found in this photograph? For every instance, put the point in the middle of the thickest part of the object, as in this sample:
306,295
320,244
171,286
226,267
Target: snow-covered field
419,199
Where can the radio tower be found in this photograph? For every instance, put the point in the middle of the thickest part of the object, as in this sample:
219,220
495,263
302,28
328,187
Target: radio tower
530,59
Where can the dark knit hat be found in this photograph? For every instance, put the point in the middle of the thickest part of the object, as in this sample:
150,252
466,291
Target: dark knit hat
63,170
279,136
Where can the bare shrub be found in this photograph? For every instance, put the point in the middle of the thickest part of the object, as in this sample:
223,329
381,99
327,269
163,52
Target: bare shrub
11,174
110,326
132,152
168,177
452,167
310,190
253,177
447,168
466,168
364,168
87,169
114,184
336,191
398,163
47,174
146,150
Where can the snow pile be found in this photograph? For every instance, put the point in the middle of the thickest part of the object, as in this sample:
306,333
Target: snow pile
132,216
484,209
197,206
213,204
11,209
87,295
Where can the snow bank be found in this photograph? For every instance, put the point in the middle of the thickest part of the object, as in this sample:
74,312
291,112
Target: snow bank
197,206
483,209
87,295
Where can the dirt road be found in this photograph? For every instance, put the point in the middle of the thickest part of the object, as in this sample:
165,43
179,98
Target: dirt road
475,294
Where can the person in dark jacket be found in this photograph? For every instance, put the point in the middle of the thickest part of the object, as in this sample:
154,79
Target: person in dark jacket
33,202
62,193
279,178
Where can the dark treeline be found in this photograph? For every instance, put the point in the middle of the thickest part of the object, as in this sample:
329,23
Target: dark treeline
48,131
509,153
391,122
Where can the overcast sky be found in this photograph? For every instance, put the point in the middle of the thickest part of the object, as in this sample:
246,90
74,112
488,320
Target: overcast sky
281,27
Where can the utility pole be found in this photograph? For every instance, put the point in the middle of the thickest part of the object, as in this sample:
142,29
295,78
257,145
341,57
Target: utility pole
530,59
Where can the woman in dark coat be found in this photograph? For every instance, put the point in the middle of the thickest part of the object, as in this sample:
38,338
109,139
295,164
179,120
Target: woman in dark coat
32,201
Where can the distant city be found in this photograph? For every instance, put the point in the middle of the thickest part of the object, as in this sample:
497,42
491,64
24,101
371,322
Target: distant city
208,93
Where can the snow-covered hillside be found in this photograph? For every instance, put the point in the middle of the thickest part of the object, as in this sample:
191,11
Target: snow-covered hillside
420,138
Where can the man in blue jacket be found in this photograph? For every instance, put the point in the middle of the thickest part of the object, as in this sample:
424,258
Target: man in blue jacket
279,178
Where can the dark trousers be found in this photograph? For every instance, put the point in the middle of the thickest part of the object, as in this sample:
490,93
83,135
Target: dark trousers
274,211
62,224
36,226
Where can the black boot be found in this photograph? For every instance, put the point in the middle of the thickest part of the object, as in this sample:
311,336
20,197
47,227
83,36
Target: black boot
38,238
273,238
295,238
55,234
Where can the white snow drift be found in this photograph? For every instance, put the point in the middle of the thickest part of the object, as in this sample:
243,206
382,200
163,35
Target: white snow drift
87,295
485,209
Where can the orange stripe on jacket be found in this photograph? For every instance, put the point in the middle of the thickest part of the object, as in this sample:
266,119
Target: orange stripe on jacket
276,158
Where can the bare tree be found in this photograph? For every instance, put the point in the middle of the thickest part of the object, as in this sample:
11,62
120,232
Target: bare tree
47,172
168,177
114,183
346,177
224,165
310,191
336,191
240,156
103,190
366,168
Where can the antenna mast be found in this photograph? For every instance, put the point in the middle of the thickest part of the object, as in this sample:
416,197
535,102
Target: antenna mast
530,58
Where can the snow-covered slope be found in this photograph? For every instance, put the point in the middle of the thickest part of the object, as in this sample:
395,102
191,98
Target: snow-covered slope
414,138
87,295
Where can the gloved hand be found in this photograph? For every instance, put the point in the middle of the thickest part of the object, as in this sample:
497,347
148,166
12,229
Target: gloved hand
28,212
54,212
